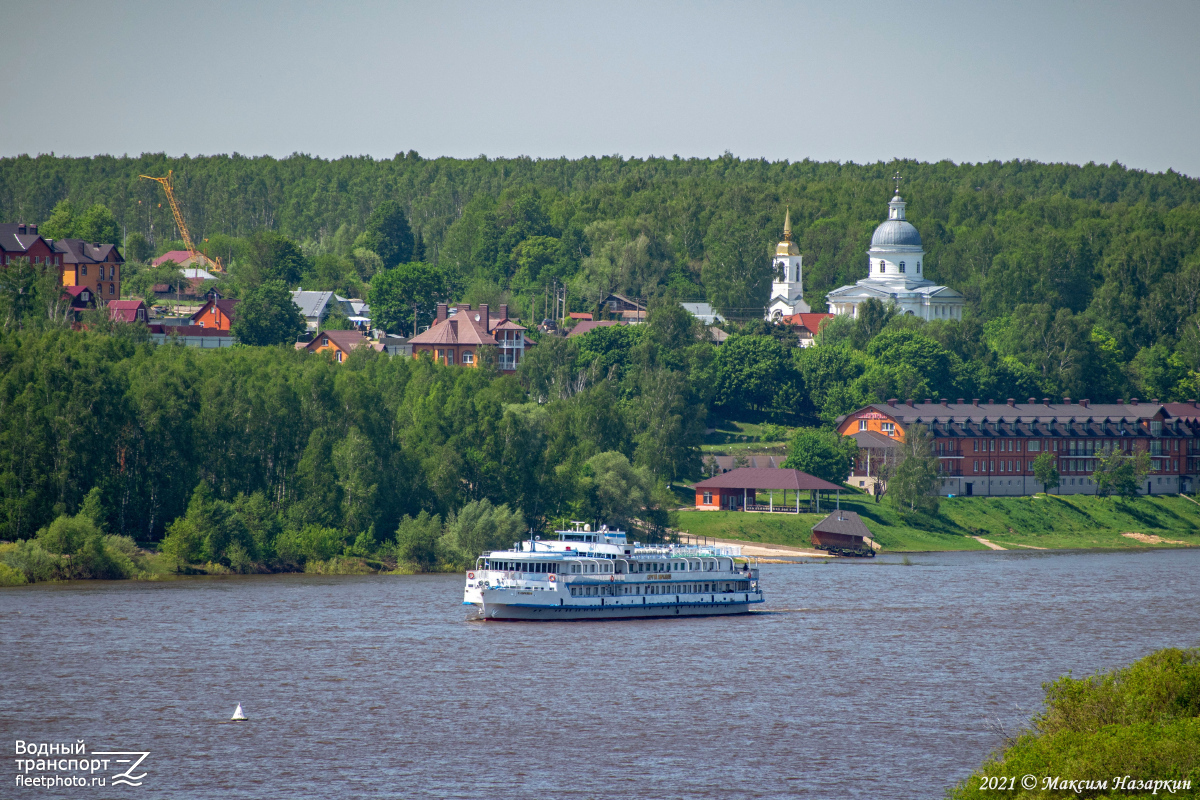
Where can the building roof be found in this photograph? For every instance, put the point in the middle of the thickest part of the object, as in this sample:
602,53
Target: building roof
462,328
196,274
703,311
311,304
181,257
874,440
226,306
620,298
580,315
844,522
766,478
586,326
345,340
17,237
125,310
718,335
896,232
77,251
1033,419
811,322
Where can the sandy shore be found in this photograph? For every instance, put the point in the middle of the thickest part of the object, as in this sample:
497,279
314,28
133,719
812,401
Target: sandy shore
760,550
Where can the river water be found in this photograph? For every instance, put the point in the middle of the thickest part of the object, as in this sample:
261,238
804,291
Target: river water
861,679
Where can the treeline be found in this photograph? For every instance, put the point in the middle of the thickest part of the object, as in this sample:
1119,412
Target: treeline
1115,246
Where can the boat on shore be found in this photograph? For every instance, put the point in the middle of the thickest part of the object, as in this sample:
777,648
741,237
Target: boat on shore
587,574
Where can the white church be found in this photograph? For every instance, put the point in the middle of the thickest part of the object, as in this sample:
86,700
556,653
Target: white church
894,275
787,289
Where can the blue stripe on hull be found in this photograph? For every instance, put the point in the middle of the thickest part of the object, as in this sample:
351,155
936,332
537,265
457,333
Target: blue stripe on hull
533,611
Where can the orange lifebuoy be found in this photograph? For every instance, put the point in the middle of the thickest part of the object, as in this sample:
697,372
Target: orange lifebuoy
470,576
553,577
612,578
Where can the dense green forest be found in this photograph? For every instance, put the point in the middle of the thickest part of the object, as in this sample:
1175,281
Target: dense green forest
1081,281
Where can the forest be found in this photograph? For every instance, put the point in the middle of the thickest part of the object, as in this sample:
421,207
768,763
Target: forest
1080,281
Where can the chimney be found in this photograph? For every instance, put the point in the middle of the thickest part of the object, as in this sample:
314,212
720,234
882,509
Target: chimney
1066,401
1045,401
441,313
991,402
909,402
483,317
959,401
1120,402
892,402
33,228
1155,401
1133,401
928,400
946,402
975,402
1084,402
1012,402
20,227
503,311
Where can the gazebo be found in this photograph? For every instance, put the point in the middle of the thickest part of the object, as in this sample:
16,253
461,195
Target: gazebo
737,490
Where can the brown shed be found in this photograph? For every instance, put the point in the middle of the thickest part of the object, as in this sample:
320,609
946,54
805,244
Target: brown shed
843,533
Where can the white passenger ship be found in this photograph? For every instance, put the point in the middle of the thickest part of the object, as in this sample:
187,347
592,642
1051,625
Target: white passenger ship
599,575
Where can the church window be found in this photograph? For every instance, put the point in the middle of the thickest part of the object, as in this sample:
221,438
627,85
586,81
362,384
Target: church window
918,266
901,267
882,267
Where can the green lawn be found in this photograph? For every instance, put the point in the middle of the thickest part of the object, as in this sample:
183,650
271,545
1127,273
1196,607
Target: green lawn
1047,522
733,437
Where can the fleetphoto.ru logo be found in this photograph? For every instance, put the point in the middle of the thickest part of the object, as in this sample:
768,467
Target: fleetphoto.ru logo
42,764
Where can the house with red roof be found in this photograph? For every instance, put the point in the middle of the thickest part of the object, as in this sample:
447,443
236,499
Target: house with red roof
460,335
339,343
806,325
217,313
127,311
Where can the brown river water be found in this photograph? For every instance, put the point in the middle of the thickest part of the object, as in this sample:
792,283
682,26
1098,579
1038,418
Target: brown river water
860,679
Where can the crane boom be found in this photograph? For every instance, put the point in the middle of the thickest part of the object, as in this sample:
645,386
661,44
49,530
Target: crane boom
179,223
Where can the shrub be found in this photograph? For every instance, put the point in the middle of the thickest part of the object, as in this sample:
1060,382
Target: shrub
1141,721
417,541
10,576
182,544
312,542
96,559
32,561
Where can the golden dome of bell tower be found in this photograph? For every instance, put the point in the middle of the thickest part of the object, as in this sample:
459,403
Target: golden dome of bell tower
787,247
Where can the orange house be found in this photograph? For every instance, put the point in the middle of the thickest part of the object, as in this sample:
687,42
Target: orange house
217,314
340,343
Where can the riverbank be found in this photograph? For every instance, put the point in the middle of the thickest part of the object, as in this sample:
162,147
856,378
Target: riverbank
1010,523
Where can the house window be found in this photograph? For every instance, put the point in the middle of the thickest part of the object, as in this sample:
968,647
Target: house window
708,498
201,321
112,288
977,466
888,427
83,269
901,267
324,341
338,357
468,357
449,356
141,313
862,424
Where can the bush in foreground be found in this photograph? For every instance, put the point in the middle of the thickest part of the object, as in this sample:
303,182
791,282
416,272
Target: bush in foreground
1141,723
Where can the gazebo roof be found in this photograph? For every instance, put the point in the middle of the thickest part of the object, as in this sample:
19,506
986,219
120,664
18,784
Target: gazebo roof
766,478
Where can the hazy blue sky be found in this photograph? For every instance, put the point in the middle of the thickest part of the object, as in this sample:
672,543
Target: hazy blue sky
838,81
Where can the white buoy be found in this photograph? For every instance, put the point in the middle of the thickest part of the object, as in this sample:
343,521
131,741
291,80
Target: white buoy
238,715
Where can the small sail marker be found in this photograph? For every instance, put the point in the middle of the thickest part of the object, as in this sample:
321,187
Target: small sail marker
238,716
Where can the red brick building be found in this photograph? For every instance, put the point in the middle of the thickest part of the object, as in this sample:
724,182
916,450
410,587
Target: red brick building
988,448
23,241
460,334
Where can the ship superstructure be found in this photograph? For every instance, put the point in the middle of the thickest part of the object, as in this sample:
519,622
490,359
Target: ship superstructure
586,574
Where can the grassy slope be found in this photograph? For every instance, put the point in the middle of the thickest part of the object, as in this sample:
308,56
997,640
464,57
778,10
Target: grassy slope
1050,522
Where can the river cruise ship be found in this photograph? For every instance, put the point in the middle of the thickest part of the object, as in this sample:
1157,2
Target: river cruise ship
589,574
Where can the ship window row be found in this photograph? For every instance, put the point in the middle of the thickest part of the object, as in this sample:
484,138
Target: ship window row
673,566
585,567
660,589
522,566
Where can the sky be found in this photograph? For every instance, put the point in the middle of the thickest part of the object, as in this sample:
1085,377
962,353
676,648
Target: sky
832,81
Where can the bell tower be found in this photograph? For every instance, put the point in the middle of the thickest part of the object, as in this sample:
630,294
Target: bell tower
787,286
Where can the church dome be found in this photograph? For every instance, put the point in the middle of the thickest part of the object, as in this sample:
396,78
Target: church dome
893,232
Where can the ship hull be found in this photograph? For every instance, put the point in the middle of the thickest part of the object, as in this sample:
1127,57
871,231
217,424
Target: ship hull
500,611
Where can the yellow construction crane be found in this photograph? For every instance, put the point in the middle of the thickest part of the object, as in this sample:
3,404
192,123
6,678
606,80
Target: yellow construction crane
214,262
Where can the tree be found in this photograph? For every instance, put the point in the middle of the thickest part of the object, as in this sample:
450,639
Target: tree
737,267
1121,473
417,539
395,292
267,316
271,257
614,491
480,526
137,248
822,452
61,224
1045,471
388,234
98,224
914,481
755,373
